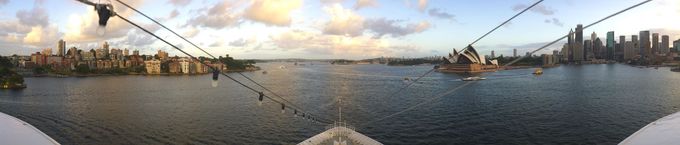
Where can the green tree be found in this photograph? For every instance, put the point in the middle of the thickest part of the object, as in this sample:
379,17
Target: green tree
83,69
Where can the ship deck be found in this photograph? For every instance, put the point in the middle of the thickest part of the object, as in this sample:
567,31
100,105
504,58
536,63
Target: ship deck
340,135
14,131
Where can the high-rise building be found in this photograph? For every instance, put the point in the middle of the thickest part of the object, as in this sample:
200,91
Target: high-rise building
676,45
628,50
588,50
636,44
565,52
610,45
46,51
61,48
162,55
578,48
556,57
514,52
105,50
126,52
135,53
570,45
620,50
665,45
599,48
645,44
655,43
493,54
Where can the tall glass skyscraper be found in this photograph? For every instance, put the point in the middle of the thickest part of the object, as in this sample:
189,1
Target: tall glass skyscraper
610,45
644,44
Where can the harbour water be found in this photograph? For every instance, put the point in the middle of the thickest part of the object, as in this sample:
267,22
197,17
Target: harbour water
571,104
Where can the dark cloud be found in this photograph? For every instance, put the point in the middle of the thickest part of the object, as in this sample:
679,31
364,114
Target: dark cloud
435,12
382,27
35,17
538,9
140,40
218,16
554,21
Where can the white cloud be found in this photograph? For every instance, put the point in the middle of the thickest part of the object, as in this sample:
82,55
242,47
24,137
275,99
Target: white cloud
35,17
272,12
173,14
343,21
42,36
541,9
440,14
179,3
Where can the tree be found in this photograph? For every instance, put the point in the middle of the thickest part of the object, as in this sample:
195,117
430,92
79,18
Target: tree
83,69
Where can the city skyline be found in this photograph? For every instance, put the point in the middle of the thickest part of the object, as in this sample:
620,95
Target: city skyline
349,29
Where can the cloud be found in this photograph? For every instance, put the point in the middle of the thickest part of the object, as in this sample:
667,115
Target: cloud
422,5
272,12
173,14
138,39
331,1
554,21
442,15
35,17
319,43
243,42
541,9
42,36
8,27
382,27
218,16
179,3
365,3
191,32
3,2
82,28
343,21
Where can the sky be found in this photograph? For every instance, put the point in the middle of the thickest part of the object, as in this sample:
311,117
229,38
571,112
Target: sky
325,29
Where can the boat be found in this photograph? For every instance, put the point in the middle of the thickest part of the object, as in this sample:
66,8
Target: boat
14,131
538,71
340,133
473,79
663,131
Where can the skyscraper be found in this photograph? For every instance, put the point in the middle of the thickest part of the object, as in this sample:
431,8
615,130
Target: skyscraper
588,50
105,52
644,44
578,48
570,46
628,50
493,54
636,44
61,47
610,45
665,45
655,43
622,44
514,52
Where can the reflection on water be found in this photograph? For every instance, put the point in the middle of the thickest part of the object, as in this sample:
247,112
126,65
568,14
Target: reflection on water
569,104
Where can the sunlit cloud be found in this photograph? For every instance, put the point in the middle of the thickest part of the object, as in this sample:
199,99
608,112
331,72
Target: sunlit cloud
272,12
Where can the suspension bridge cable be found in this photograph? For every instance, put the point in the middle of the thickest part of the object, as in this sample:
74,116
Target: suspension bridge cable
571,33
248,78
505,22
323,121
467,83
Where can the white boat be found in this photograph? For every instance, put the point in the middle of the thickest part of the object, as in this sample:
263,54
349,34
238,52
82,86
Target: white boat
340,134
473,79
14,131
664,131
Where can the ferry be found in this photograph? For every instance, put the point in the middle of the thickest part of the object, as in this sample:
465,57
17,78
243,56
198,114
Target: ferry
538,71
14,131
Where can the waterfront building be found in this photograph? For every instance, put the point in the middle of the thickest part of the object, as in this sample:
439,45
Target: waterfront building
565,53
153,66
645,44
467,61
548,60
665,45
655,43
610,46
556,56
105,51
61,47
46,51
514,52
136,52
676,45
493,54
578,44
588,50
52,60
636,44
87,56
620,50
600,50
570,46
174,67
72,52
162,55
200,69
184,65
39,59
126,52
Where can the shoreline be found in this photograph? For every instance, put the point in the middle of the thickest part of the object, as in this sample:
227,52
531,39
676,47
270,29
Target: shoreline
51,75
